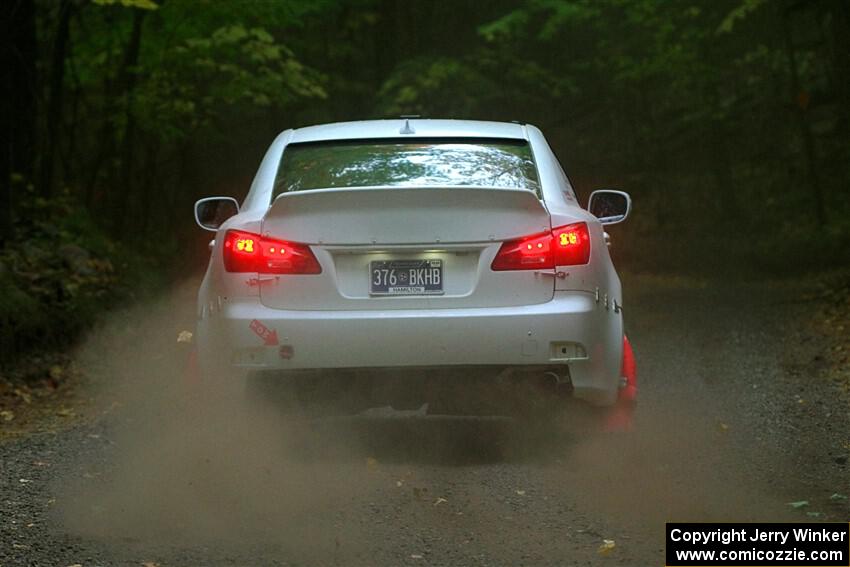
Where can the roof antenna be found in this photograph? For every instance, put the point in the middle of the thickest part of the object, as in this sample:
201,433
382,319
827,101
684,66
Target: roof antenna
407,128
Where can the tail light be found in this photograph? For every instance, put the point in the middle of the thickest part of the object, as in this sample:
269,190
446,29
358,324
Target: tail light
563,246
248,252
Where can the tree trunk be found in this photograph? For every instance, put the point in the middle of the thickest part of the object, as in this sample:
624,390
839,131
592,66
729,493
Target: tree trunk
18,108
840,12
798,97
721,168
6,143
149,179
129,75
54,102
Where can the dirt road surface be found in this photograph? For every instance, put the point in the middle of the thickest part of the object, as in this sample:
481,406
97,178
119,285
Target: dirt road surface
733,425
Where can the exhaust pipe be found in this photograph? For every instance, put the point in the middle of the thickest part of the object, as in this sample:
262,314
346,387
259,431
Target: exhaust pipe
559,383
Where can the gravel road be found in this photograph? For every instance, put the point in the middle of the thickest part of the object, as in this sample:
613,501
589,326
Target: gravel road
733,424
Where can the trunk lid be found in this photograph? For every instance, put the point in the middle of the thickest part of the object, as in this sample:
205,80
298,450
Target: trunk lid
355,231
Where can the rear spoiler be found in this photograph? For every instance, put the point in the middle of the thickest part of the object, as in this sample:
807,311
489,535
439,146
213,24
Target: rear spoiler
405,215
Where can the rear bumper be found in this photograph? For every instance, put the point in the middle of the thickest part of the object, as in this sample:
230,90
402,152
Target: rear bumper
573,330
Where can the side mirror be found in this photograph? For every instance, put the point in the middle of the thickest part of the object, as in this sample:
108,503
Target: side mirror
609,206
211,212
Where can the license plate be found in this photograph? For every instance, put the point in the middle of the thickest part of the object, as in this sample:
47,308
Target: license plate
406,277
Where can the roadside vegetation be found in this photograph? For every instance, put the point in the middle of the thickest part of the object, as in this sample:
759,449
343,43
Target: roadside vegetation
832,322
58,272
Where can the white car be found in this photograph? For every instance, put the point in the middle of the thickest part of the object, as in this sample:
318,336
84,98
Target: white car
392,261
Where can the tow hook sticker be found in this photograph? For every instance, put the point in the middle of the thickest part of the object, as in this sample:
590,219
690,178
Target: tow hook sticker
269,336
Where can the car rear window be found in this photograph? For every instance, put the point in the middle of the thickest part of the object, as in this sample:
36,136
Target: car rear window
407,163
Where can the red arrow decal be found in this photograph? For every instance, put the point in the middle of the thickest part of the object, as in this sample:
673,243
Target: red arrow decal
269,336
271,339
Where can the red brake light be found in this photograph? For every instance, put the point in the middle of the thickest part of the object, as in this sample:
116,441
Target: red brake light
248,252
529,253
572,244
564,246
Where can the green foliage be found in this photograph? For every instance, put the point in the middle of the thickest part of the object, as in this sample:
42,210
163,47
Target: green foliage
58,274
205,76
744,9
139,4
194,69
548,17
510,25
23,318
434,87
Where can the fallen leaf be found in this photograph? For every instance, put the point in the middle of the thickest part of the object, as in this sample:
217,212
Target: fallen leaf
7,415
799,504
606,547
723,427
23,395
399,483
184,337
521,492
439,501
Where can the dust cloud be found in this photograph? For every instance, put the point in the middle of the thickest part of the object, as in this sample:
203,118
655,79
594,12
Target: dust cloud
184,465
188,466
